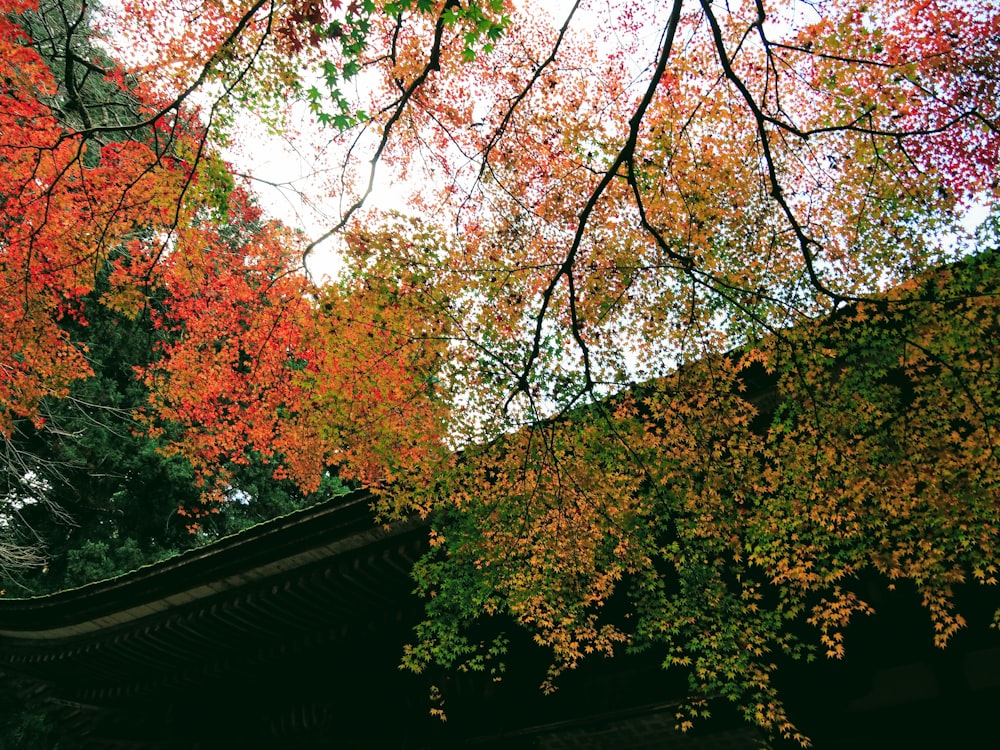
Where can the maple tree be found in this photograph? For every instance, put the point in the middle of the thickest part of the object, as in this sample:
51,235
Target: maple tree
119,217
95,491
763,188
753,211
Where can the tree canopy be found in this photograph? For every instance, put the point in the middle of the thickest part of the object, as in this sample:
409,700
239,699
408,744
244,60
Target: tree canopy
686,314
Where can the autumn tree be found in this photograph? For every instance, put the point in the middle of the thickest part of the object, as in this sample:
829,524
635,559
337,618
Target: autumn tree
692,290
61,426
42,285
682,196
95,492
123,225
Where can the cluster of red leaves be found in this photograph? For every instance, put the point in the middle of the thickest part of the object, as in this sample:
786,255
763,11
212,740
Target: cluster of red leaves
59,219
933,80
253,363
302,25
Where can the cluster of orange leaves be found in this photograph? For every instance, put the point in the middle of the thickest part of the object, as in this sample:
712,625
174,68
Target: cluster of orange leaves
732,507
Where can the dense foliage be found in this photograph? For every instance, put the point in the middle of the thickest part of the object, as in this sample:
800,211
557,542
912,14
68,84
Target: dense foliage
690,321
88,492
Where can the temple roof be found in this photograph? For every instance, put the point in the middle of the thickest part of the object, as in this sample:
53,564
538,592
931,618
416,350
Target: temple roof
319,533
229,613
289,635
